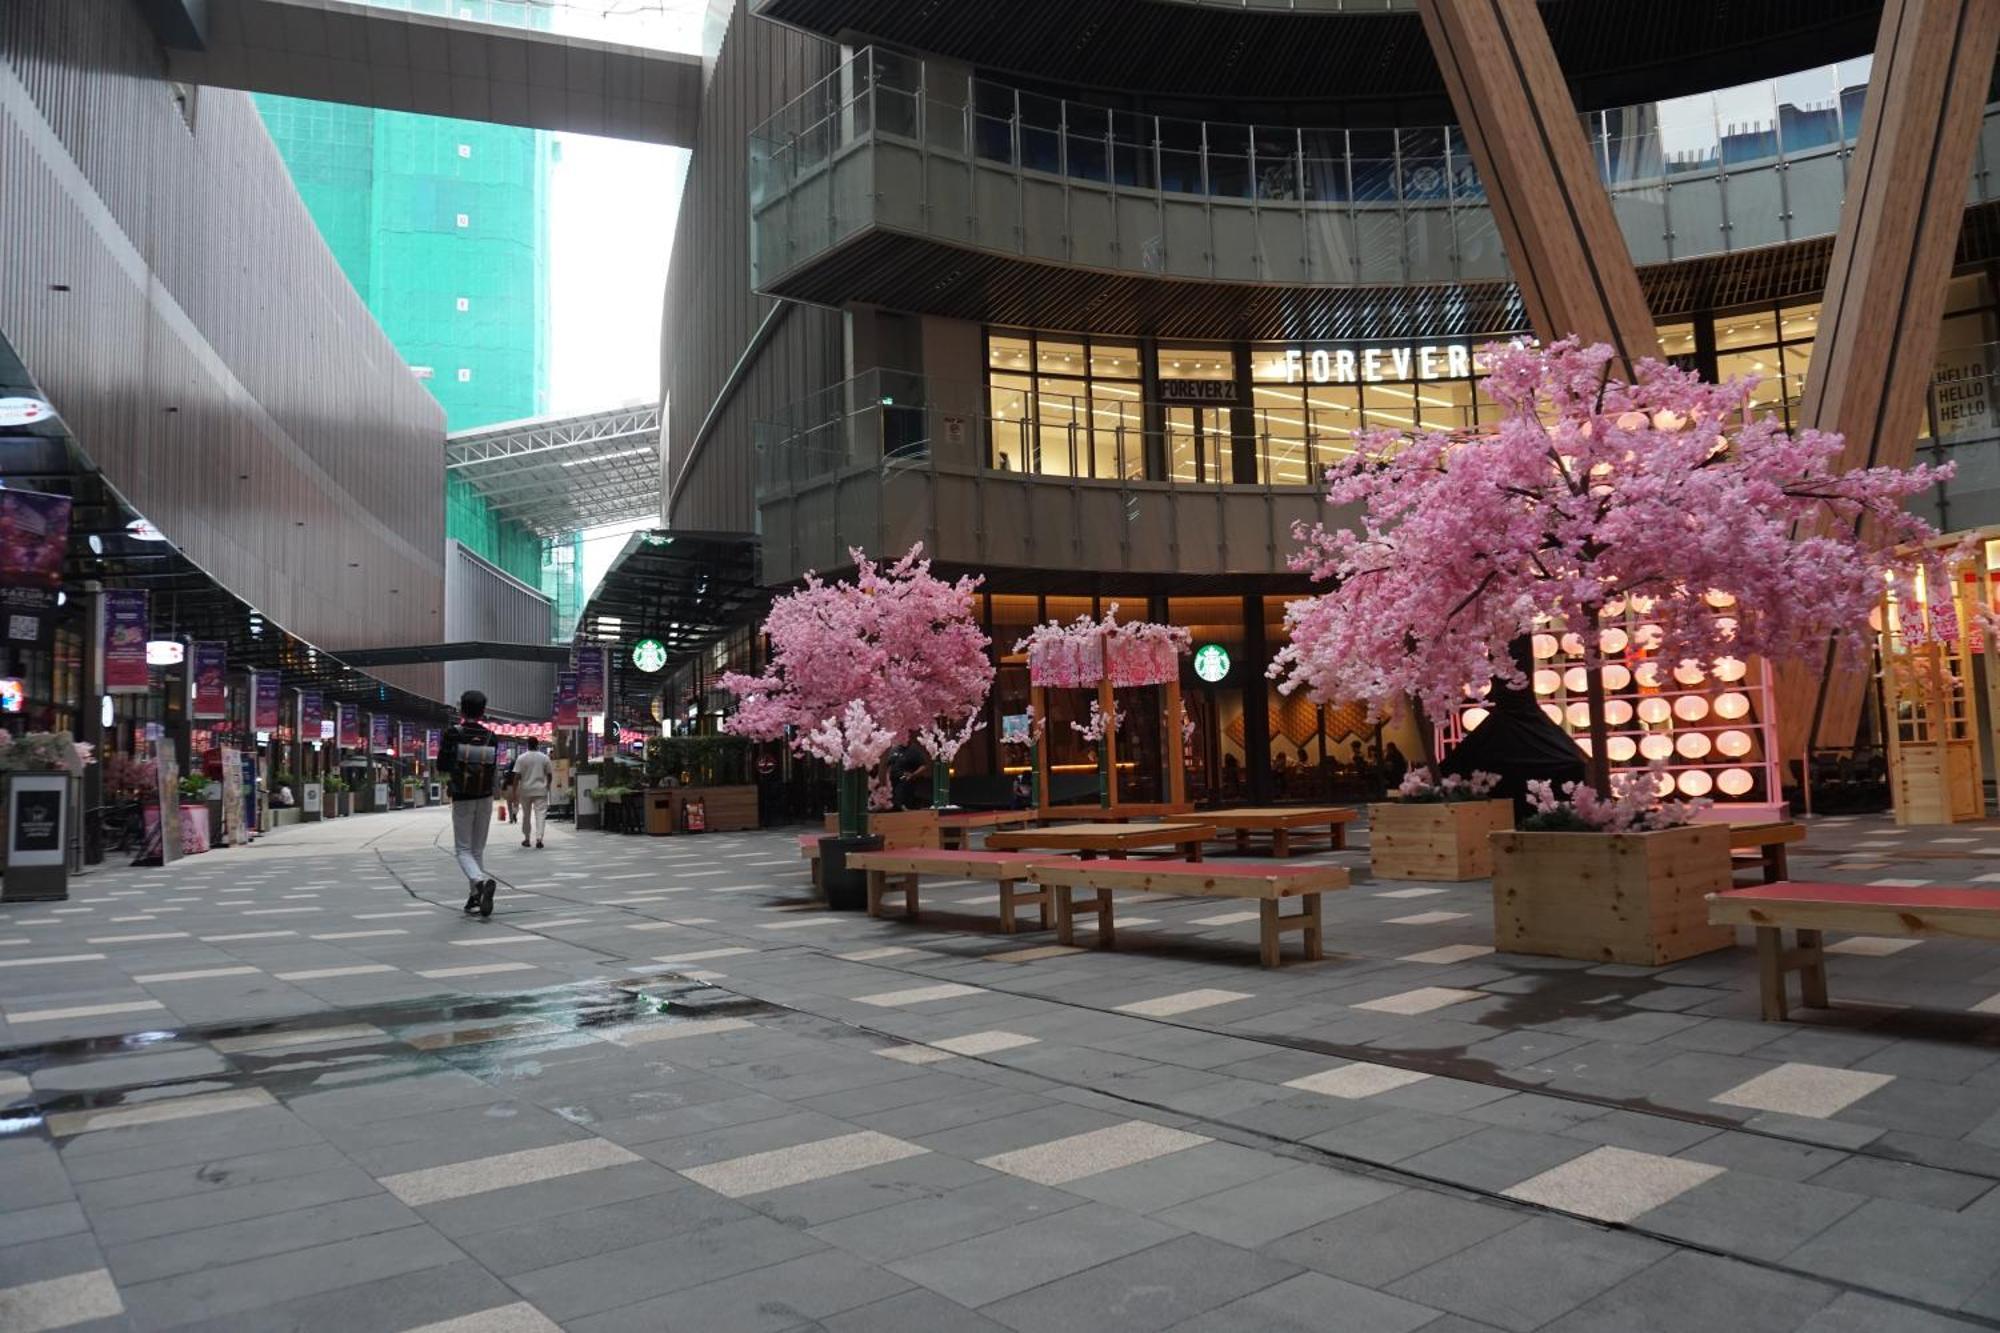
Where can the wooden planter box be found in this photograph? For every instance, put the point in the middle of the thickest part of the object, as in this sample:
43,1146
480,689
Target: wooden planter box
731,809
1610,897
1436,840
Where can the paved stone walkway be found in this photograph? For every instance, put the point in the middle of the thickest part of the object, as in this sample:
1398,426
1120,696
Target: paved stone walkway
292,1087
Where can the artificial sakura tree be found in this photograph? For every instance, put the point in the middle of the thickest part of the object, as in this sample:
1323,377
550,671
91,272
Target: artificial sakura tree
1105,656
1590,490
861,666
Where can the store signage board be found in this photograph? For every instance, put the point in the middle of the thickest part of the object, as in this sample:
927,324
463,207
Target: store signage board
165,652
1377,365
24,411
1198,391
649,655
37,836
1211,662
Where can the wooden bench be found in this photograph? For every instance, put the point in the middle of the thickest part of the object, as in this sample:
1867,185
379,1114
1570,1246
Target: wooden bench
955,827
1268,884
1765,842
1113,840
1863,909
1281,822
898,829
889,872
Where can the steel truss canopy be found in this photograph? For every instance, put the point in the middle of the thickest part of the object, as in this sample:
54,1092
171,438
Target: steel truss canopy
558,475
360,53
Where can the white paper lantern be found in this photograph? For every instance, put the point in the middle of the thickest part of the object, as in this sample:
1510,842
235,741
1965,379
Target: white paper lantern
1547,681
1572,645
1690,708
1654,711
1648,636
1553,712
1647,674
1545,647
1695,782
1471,718
1692,744
1612,640
1734,781
1689,673
1656,746
1576,680
1617,676
1617,712
1579,714
1732,705
1663,784
1730,668
1719,599
1735,744
1613,608
1642,605
1621,749
1583,743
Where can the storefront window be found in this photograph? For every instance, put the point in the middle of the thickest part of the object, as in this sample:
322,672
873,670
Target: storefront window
1065,407
1198,436
1774,345
1962,387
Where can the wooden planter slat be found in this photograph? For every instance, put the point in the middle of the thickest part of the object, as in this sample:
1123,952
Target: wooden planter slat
1435,840
1637,898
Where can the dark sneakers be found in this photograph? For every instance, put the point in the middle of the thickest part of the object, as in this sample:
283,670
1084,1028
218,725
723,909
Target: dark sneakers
486,898
472,899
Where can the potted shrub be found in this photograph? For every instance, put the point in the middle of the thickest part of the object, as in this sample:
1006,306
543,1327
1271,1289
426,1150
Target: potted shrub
338,799
1617,880
1437,829
856,669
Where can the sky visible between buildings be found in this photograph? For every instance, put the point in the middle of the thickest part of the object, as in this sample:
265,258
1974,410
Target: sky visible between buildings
518,272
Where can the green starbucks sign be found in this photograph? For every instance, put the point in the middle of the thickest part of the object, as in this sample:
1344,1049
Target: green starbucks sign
1211,662
649,654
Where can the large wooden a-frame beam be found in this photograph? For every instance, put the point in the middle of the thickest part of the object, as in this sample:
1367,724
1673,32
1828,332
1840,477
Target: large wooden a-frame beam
1885,294
1556,224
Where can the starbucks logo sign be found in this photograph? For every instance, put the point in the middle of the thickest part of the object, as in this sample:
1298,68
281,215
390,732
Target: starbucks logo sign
649,654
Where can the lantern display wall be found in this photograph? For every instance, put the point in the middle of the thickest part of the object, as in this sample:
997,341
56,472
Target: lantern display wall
1711,726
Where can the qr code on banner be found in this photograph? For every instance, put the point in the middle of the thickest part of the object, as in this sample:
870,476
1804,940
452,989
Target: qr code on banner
23,629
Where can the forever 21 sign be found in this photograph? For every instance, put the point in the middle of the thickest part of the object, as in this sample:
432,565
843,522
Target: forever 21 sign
1198,391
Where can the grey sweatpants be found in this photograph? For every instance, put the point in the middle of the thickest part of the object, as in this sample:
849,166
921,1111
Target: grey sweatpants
469,822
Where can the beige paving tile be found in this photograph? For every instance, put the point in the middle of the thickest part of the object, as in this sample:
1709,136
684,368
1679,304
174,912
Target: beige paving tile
1871,946
1410,893
1224,919
701,955
519,1317
1094,1152
1035,954
914,1055
59,1302
255,1043
918,995
327,973
1613,1184
13,1088
474,970
360,934
82,1011
1450,953
1357,1080
984,1043
51,959
161,1111
1989,1005
198,974
1817,1091
1421,1000
870,955
141,938
1427,919
779,1168
1181,1002
250,935
483,1174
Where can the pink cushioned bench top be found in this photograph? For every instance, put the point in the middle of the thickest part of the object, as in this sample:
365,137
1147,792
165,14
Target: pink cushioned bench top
1866,895
1211,868
961,858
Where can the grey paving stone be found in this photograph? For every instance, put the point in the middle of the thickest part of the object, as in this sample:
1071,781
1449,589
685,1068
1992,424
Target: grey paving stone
1699,1293
1855,1312
1526,1276
1494,1158
530,1240
1763,1155
927,1175
1949,1190
654,1267
998,1264
1263,1210
20,1226
1378,1244
225,1204
1153,1289
1744,1214
1532,1110
797,1293
518,1205
1905,1249
1315,1303
1390,1136
383,1305
912,1227
1150,1186
917,1311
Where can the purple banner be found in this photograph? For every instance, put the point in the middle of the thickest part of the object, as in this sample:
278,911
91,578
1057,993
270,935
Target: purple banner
265,700
210,674
312,715
406,740
378,733
566,709
350,727
34,536
431,743
127,626
590,680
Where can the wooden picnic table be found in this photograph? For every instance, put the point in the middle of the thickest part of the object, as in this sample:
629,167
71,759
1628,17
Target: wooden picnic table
1280,821
1113,840
1768,838
955,827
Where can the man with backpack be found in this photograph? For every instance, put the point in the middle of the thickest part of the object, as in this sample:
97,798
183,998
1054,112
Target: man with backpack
469,756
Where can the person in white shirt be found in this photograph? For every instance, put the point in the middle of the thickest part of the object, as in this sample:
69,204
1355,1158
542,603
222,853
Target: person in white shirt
530,779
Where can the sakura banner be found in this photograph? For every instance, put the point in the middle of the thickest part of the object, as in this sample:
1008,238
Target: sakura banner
211,675
264,691
1086,652
34,537
567,709
349,730
127,626
590,680
431,744
312,713
378,734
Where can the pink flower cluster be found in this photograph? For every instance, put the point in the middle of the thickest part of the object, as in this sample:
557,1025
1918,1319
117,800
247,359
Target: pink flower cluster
1634,806
1093,730
1589,490
45,751
898,643
1421,786
1082,653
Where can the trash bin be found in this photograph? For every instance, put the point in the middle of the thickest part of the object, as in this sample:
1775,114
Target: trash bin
659,810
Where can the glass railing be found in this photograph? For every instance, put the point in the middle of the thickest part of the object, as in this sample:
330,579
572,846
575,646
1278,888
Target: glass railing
880,92
660,25
1310,6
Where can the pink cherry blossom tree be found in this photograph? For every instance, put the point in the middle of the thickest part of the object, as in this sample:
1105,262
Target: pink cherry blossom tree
860,666
1589,490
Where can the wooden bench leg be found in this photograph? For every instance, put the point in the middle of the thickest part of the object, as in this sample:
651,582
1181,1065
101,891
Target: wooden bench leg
1104,919
1812,970
1340,837
1776,863
910,896
1281,842
1007,906
1065,914
1242,841
877,883
819,889
1314,926
1193,851
1267,932
1771,972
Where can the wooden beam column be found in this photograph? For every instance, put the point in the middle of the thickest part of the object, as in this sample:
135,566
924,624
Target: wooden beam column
1885,294
1541,176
